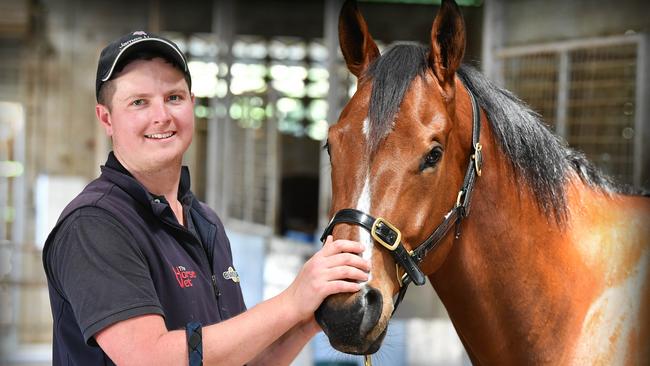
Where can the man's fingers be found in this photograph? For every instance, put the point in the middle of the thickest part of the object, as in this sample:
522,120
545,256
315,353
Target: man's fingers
340,246
348,259
347,273
343,286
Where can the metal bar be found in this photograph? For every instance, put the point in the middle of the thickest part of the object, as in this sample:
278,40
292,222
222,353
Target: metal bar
212,163
570,45
493,40
334,95
562,95
19,187
249,175
641,159
273,159
4,195
154,16
217,142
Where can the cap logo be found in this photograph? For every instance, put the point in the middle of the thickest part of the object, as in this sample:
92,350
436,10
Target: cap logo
140,35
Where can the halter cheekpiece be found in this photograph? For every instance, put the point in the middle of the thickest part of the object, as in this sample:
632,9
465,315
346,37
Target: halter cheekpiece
390,237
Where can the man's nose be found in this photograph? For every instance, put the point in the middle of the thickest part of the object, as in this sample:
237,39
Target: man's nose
160,112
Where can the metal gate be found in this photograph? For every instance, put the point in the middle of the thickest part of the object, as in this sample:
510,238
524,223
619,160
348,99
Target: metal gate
589,91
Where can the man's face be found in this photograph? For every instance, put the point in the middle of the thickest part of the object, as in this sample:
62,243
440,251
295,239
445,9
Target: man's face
151,119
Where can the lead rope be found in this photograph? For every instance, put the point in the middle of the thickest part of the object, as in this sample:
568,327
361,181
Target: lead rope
366,360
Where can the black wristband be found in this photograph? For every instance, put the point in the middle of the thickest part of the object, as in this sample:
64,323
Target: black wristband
194,343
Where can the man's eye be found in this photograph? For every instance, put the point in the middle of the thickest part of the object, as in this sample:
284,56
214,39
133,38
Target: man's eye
432,158
174,98
138,102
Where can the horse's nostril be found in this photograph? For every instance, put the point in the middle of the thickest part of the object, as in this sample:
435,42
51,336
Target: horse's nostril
372,297
372,303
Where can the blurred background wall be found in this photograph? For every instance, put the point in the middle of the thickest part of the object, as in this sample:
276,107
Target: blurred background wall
269,79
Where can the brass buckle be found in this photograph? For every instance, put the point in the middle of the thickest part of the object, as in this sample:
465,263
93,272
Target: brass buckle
478,158
373,232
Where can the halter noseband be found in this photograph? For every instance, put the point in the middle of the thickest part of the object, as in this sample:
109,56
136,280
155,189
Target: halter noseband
391,238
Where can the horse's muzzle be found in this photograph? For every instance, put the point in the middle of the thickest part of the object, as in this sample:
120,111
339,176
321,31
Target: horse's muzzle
348,321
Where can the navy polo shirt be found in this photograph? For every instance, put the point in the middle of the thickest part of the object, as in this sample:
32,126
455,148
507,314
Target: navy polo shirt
118,252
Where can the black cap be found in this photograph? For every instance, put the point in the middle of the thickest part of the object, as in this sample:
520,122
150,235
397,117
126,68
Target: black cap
137,41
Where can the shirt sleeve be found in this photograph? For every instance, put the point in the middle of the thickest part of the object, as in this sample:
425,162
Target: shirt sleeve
98,268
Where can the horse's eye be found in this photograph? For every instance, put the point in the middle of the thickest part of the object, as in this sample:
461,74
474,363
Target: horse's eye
432,158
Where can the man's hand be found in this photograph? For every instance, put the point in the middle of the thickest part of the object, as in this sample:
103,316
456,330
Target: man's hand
336,268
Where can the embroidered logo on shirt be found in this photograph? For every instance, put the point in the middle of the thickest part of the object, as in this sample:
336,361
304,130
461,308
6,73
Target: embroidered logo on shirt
231,274
184,277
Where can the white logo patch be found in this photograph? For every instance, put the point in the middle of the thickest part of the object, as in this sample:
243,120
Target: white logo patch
231,274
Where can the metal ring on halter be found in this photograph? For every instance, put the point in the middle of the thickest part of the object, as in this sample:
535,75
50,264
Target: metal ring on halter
460,195
478,158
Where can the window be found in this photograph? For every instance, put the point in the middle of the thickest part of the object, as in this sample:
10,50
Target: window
268,99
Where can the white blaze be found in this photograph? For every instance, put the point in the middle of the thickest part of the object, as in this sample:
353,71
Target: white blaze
363,205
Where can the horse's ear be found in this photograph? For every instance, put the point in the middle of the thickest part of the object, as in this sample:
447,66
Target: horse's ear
357,45
447,44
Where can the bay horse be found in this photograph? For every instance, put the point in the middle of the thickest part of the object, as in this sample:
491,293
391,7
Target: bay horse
550,265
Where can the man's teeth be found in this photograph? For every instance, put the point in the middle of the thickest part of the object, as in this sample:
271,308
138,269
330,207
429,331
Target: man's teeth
160,135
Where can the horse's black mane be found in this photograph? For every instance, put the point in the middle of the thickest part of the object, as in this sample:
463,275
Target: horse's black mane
537,155
391,76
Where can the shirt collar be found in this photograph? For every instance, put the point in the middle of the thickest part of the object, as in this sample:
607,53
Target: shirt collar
115,164
184,193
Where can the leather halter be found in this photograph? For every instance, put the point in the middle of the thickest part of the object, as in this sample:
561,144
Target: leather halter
390,237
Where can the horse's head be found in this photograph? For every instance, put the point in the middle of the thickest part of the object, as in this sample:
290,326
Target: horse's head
397,152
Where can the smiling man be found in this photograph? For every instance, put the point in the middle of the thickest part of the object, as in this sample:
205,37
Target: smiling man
139,271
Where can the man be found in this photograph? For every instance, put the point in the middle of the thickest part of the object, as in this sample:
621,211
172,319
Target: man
139,271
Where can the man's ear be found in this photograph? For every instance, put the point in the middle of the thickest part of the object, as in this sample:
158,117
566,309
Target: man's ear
104,117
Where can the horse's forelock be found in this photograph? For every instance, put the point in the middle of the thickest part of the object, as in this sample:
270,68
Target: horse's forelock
391,75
